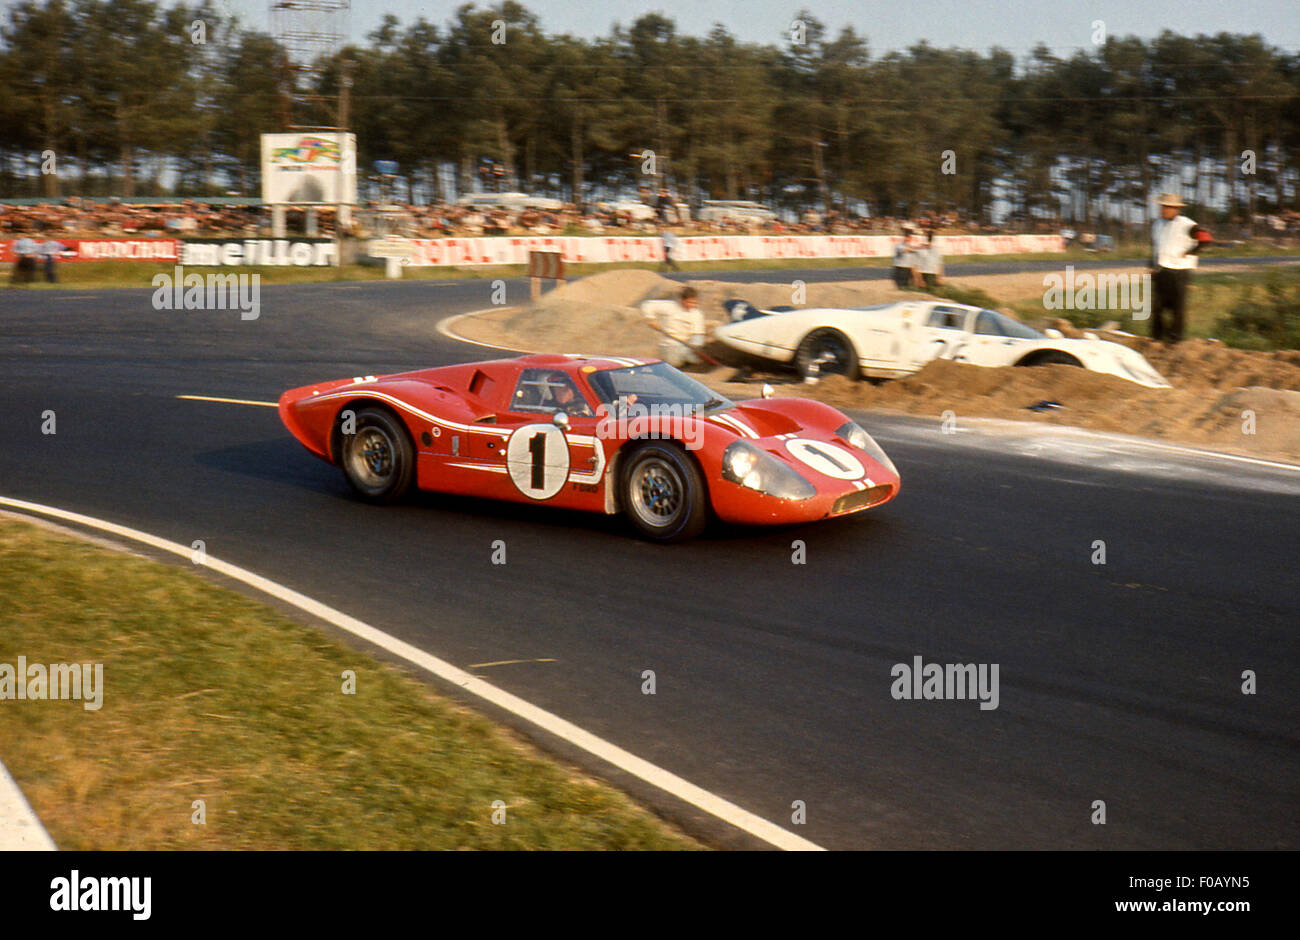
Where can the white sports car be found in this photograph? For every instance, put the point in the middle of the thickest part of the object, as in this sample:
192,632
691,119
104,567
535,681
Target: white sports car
892,340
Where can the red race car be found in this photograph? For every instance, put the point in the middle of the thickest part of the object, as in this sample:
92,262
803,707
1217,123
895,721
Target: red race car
602,434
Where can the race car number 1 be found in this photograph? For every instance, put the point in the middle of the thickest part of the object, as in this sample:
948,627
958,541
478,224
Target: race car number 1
537,457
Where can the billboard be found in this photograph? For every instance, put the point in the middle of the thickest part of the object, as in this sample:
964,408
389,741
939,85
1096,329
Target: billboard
105,249
309,168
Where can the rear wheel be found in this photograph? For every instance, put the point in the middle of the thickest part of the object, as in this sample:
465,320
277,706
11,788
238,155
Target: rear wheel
664,494
378,457
826,352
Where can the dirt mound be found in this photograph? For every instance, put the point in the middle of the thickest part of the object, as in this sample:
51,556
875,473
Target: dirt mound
1209,363
1270,416
621,288
944,385
597,314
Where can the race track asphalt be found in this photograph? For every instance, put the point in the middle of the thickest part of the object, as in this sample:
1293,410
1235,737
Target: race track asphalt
1119,683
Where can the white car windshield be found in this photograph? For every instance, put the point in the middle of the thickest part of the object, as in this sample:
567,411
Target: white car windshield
992,323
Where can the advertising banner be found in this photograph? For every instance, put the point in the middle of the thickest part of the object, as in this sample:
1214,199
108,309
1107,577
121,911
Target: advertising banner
317,168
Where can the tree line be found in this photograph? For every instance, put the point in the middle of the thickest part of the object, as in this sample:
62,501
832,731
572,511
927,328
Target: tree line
129,98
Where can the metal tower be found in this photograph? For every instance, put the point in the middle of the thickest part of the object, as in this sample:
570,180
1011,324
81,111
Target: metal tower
310,31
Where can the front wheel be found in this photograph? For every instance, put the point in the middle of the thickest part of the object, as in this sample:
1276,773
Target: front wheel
378,457
826,352
1053,357
664,493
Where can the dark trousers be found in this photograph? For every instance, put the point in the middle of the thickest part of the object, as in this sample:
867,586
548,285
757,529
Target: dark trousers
1170,289
24,270
669,263
49,270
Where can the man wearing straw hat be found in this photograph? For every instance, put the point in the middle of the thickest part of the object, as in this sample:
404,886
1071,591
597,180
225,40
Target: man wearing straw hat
1175,241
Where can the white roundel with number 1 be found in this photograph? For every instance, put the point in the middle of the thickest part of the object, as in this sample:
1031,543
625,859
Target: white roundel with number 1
537,457
827,459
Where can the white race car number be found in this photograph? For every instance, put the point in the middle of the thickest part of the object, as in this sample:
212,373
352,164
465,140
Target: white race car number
827,459
537,457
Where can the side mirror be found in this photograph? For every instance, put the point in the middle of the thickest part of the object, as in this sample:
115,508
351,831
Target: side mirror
560,420
768,391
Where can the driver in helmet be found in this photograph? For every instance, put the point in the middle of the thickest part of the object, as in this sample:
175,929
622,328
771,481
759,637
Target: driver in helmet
564,396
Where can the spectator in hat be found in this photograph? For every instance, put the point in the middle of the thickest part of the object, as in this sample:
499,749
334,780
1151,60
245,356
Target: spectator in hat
1175,242
903,259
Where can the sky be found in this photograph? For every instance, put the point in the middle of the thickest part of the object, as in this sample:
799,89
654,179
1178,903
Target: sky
1015,25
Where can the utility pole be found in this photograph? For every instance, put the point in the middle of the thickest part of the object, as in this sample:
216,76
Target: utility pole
348,158
345,92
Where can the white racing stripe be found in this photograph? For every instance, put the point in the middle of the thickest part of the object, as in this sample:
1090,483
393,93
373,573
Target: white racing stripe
624,760
735,424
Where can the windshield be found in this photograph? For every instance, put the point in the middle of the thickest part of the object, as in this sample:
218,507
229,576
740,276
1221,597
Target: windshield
655,384
991,320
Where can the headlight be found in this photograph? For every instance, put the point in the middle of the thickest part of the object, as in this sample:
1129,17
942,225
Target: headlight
747,466
859,438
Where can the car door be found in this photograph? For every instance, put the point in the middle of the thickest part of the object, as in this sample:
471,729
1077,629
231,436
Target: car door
942,335
540,461
989,345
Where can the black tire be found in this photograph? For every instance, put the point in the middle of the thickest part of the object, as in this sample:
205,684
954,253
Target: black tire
663,493
826,352
1051,357
379,458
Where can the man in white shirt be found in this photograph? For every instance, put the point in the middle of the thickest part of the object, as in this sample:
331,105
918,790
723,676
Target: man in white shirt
51,250
681,323
930,264
1175,242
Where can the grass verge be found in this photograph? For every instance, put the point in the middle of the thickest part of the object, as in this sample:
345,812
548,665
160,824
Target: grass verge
208,695
1217,307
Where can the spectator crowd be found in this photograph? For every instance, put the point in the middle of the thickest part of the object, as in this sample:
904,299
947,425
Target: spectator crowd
77,218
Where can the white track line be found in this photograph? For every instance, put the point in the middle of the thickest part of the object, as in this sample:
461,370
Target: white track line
1220,455
624,760
20,829
444,327
989,428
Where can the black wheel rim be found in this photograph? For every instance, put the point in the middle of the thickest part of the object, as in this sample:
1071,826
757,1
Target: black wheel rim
830,356
371,457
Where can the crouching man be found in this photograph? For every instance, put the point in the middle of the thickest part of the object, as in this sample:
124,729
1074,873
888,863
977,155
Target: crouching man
681,326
